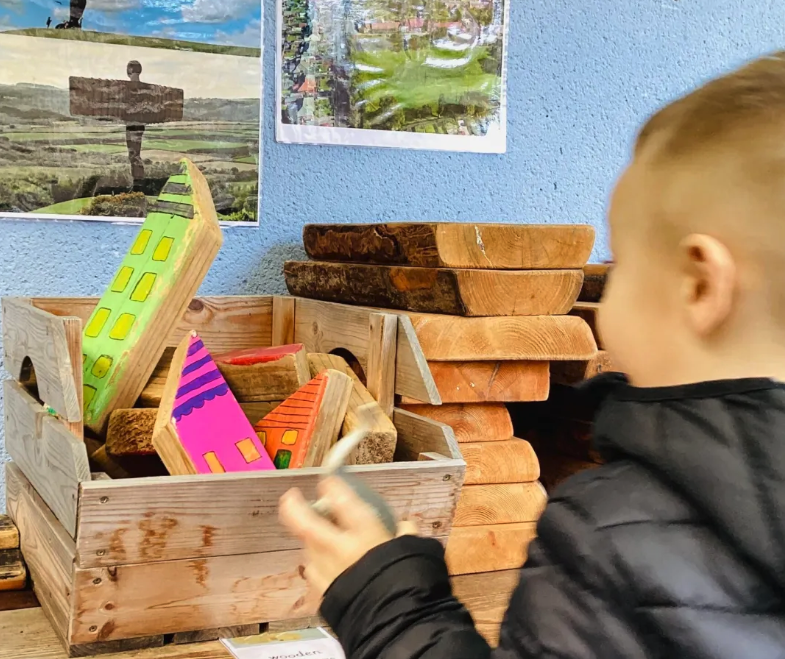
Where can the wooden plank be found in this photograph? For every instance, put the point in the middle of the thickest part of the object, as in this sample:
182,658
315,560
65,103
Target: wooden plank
227,322
283,320
417,434
437,290
13,574
281,626
589,312
236,631
219,591
509,461
325,327
473,549
379,445
382,343
27,634
159,275
489,382
33,335
487,597
457,245
142,644
486,422
595,276
44,449
500,504
9,534
47,548
535,338
572,373
142,520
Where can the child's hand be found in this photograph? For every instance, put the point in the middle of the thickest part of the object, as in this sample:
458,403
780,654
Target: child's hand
331,549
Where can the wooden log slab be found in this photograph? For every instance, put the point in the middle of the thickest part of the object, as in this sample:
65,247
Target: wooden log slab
452,245
379,444
487,382
589,311
522,338
13,573
9,534
432,290
485,422
572,373
595,276
473,549
486,597
500,504
510,461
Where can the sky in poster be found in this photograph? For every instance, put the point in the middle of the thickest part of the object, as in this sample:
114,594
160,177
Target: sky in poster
223,22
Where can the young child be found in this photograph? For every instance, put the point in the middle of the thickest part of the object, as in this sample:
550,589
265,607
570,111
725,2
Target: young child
676,546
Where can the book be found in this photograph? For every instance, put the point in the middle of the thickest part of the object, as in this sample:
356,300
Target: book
316,643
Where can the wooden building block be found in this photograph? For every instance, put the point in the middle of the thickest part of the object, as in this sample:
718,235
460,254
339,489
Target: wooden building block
453,245
182,638
127,466
437,290
486,597
485,422
160,274
200,427
509,461
500,504
266,380
473,549
283,320
572,373
9,534
300,431
251,356
595,275
13,574
130,432
520,338
589,312
489,382
379,445
380,367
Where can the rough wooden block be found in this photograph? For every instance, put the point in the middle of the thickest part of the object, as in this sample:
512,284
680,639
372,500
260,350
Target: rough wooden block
484,422
160,274
253,376
500,504
130,432
456,245
473,549
509,461
437,290
489,382
182,638
13,574
127,466
595,275
520,338
379,444
9,534
572,373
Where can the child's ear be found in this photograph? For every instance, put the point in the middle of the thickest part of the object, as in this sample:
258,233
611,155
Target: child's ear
708,282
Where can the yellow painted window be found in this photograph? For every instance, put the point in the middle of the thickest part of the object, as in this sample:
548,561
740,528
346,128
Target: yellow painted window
140,244
161,252
102,366
214,463
143,288
262,435
89,394
122,326
97,322
289,437
248,450
122,279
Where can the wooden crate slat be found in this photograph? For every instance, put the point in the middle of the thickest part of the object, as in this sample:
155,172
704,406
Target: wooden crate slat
437,290
419,434
224,323
53,345
51,458
326,326
458,245
478,422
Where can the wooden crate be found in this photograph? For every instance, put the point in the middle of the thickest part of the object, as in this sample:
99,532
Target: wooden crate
120,563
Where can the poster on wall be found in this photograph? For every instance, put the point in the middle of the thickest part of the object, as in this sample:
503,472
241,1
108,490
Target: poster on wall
100,99
393,73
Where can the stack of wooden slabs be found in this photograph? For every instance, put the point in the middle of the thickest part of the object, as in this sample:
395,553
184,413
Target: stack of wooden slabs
488,304
13,573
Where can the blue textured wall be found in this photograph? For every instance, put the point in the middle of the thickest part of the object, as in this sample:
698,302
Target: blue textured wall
582,75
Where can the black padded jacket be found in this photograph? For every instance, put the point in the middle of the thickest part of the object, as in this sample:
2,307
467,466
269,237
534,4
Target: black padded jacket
674,548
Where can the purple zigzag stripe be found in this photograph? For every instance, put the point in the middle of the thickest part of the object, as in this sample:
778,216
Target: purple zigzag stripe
195,366
199,400
195,347
198,382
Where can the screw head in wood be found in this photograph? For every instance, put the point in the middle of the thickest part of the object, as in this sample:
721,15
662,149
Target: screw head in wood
101,552
437,525
97,580
104,500
447,477
93,629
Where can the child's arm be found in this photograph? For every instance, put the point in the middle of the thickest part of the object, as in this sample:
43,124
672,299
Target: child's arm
391,598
